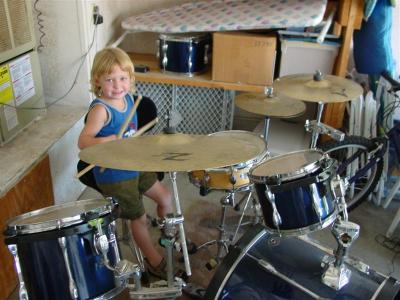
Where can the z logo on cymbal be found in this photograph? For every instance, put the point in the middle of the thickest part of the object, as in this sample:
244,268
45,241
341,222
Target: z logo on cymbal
175,156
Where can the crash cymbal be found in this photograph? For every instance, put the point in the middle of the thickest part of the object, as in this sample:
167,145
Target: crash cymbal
330,89
271,106
172,152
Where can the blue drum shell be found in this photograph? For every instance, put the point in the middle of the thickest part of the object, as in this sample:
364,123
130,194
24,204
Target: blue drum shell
178,55
294,203
43,265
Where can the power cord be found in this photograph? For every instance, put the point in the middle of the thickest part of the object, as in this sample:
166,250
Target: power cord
73,83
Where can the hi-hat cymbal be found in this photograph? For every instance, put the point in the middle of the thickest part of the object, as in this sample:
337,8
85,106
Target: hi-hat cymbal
330,89
172,152
271,106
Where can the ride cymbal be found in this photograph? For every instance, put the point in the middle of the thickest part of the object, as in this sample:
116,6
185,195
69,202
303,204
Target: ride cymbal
172,152
329,89
270,106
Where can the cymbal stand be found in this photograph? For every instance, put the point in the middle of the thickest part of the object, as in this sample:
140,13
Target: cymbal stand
182,237
226,201
159,290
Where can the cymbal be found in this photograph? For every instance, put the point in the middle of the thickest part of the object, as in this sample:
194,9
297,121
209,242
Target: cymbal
275,106
172,152
331,89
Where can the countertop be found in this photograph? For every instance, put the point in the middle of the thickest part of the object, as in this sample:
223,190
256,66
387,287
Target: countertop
22,153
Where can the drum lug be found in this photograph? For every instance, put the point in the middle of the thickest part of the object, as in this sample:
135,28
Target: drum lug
315,196
113,241
190,63
165,58
100,240
206,49
276,217
72,286
23,294
158,48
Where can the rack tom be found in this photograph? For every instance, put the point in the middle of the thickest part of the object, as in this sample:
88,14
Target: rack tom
56,251
295,191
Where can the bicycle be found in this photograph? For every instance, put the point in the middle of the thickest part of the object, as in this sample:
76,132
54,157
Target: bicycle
361,159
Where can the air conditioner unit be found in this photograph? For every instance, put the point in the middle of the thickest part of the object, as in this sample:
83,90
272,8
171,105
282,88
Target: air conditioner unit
16,28
21,90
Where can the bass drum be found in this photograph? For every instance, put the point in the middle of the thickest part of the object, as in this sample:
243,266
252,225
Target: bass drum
264,266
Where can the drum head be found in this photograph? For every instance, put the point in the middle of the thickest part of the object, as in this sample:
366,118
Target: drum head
58,216
249,138
287,166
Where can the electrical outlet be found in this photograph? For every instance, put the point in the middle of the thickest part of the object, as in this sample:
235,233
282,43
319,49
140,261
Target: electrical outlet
97,17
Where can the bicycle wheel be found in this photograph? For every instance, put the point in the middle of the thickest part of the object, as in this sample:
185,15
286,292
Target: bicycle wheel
353,153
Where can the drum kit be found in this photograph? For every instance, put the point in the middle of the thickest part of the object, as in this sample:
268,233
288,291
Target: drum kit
298,192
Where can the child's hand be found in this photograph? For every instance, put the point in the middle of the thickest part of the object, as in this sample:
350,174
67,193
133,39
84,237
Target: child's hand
110,138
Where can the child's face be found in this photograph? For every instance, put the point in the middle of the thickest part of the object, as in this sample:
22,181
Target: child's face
116,85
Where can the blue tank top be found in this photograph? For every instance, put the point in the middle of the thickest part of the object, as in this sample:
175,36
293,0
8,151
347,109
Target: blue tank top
116,119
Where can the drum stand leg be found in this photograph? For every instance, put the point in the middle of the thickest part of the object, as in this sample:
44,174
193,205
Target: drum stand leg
158,290
256,214
222,241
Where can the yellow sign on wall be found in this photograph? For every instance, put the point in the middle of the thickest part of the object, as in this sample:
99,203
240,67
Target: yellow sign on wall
6,93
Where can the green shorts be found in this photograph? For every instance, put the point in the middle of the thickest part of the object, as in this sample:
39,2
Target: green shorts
128,194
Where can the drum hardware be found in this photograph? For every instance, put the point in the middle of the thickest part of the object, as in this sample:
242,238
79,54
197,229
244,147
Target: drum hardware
321,128
270,268
337,274
276,217
172,176
128,237
161,289
73,291
222,241
339,186
23,294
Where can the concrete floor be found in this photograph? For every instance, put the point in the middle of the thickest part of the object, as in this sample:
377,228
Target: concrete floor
373,220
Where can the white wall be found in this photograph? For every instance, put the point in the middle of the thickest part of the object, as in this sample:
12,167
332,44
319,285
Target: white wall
69,29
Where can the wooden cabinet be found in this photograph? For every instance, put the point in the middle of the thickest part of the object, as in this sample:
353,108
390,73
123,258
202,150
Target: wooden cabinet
34,191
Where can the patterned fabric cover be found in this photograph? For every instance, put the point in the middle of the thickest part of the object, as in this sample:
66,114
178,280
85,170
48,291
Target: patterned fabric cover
225,15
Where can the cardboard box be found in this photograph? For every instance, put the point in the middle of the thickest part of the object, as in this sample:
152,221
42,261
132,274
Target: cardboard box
243,58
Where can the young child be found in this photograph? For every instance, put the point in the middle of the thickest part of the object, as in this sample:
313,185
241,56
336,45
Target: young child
112,79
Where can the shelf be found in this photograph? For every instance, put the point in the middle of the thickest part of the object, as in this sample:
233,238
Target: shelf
155,75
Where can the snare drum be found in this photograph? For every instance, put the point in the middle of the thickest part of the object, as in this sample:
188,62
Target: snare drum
55,251
184,53
295,191
231,178
263,265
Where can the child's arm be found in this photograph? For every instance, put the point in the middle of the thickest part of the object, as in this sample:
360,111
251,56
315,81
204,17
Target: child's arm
96,119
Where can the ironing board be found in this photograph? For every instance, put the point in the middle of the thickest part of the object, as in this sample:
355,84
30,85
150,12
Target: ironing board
227,15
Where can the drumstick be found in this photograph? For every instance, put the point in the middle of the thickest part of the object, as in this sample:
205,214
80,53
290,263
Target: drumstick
137,133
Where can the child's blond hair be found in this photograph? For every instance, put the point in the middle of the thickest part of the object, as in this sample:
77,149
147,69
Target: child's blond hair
103,63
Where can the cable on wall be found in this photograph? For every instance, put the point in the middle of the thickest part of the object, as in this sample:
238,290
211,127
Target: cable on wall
72,85
39,22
